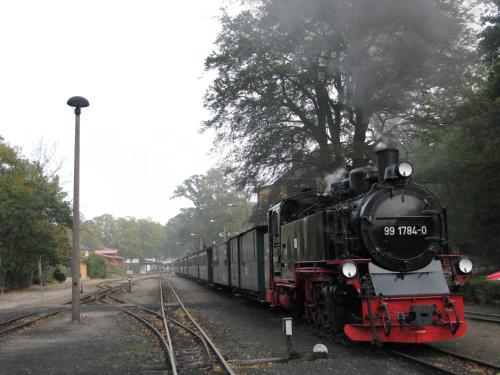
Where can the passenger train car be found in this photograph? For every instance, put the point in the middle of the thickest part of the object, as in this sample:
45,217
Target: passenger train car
239,263
369,258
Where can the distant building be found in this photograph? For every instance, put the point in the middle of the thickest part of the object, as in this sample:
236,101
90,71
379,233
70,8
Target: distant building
111,257
143,267
128,260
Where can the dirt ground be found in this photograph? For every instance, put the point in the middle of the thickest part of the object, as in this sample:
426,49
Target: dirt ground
145,292
481,341
105,342
49,295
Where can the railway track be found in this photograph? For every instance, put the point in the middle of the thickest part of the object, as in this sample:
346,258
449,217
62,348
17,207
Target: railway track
186,346
484,317
151,319
27,319
444,361
24,320
195,350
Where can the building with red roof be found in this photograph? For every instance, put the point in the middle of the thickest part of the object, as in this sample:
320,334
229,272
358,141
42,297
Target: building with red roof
111,257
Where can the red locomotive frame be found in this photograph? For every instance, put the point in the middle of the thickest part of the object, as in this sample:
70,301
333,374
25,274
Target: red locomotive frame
381,322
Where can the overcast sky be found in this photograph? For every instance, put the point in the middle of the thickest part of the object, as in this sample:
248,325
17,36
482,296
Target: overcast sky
140,65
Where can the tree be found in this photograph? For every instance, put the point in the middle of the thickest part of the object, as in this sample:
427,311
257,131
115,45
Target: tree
59,275
489,46
97,267
303,83
135,238
34,218
106,227
90,235
141,238
218,208
460,158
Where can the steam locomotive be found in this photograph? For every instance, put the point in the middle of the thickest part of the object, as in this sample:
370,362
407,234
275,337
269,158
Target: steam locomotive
369,258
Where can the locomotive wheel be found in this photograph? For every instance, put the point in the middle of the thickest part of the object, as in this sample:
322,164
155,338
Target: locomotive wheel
315,316
320,319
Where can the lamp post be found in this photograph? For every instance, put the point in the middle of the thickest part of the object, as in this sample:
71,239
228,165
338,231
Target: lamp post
77,102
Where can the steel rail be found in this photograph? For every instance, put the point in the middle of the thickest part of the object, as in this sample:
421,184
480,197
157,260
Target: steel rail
483,317
464,357
483,314
173,364
446,352
144,321
7,322
25,324
422,362
84,299
200,338
221,358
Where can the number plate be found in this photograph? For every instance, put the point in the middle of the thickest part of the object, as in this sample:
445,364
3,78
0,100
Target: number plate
405,230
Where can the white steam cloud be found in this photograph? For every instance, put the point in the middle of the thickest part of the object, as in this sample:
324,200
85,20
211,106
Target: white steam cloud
330,179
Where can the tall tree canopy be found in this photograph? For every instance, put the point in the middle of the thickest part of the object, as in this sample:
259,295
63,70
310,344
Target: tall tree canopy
34,218
217,208
314,84
460,158
135,238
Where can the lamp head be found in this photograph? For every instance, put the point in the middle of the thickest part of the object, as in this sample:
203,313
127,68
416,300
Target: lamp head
78,102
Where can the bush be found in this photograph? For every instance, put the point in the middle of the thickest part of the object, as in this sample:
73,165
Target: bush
481,290
97,267
59,275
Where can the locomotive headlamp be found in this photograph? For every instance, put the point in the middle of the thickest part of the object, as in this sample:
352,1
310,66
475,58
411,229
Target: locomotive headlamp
349,269
404,169
465,266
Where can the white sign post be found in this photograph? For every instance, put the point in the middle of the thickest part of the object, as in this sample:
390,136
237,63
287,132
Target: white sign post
288,331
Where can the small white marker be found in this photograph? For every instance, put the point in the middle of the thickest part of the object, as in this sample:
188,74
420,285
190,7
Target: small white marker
320,351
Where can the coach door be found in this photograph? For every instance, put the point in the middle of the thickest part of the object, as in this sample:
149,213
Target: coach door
235,262
275,243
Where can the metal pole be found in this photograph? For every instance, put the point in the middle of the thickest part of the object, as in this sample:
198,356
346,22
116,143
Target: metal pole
77,102
40,277
1,277
75,259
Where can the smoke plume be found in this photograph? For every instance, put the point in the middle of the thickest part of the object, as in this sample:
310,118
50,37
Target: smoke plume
332,178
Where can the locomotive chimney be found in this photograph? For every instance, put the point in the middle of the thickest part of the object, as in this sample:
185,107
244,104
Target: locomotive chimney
385,158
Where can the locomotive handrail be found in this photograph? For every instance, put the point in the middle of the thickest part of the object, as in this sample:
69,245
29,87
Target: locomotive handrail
388,327
453,327
376,339
403,217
